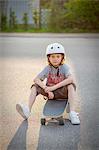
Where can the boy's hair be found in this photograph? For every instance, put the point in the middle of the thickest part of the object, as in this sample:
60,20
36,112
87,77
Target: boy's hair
61,63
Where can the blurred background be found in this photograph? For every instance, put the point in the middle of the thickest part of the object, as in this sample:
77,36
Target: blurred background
22,56
60,16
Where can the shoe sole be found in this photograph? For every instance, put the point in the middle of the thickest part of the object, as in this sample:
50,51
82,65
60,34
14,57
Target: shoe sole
75,123
20,110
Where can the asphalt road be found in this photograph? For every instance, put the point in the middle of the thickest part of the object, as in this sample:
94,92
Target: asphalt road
21,58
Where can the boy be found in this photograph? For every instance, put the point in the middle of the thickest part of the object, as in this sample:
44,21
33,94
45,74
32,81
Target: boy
60,83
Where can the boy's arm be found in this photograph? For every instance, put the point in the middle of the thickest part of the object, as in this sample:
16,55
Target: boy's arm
39,82
41,76
67,81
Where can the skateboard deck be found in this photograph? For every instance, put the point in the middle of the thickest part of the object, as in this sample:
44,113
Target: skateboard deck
53,109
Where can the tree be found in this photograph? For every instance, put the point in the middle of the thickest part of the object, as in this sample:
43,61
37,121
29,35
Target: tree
36,18
56,20
44,4
82,14
3,22
12,20
25,21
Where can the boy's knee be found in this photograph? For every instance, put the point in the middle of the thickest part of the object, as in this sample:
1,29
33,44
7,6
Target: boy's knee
71,86
33,88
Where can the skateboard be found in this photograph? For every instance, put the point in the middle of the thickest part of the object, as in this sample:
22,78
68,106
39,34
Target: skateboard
53,111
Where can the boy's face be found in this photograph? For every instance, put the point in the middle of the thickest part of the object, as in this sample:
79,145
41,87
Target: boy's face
55,59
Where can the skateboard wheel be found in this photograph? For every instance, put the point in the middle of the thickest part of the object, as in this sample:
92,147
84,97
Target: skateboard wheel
61,122
43,121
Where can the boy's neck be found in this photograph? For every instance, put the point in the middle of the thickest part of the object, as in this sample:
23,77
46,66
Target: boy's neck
55,66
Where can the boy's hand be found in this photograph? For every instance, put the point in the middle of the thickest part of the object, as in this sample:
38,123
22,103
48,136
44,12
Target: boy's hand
50,95
49,89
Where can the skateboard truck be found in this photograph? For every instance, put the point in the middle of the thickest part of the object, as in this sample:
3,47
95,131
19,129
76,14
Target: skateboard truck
60,120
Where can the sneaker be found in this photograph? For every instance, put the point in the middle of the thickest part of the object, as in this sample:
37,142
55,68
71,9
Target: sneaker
23,110
68,107
74,118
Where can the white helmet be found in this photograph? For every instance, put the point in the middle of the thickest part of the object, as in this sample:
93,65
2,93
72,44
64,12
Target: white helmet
55,48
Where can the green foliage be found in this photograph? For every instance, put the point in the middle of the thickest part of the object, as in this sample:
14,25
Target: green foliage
36,18
56,20
3,22
45,4
82,14
70,16
25,21
12,20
